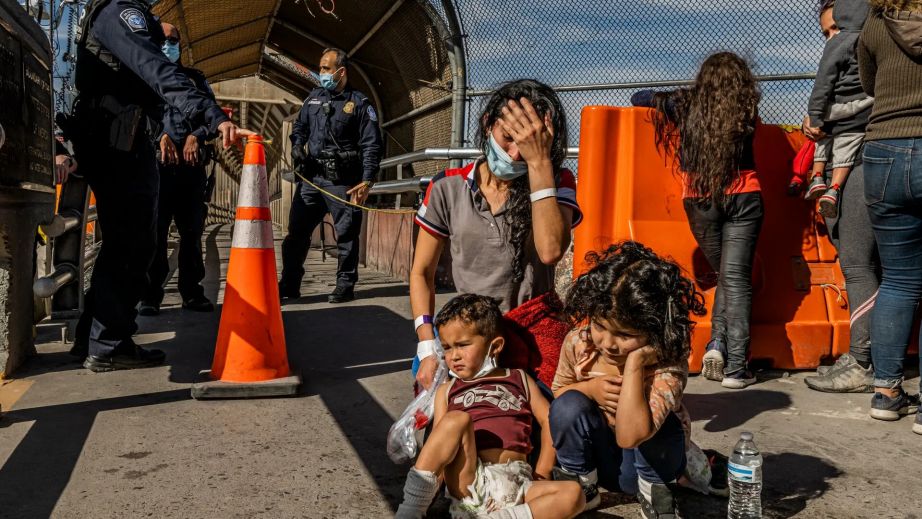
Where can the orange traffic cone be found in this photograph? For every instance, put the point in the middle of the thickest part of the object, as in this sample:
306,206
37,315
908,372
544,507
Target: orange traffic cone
250,357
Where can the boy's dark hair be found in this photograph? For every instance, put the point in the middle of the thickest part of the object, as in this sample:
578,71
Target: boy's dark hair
481,311
640,290
823,5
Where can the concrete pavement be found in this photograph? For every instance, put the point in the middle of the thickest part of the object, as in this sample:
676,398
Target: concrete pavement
134,444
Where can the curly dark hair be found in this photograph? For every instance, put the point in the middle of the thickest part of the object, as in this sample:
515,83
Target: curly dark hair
710,124
481,311
630,284
518,205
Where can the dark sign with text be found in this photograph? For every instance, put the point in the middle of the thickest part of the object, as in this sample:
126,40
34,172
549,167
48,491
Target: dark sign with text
25,106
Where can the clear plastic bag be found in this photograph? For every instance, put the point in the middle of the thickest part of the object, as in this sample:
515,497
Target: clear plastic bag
402,443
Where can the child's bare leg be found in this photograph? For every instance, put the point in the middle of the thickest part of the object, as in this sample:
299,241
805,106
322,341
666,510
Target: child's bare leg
818,168
450,450
555,499
840,175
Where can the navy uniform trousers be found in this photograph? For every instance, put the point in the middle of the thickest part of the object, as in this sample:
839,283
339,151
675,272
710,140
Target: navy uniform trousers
182,197
126,186
308,207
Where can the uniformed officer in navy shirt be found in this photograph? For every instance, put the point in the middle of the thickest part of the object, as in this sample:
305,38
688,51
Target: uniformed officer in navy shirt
336,144
183,191
123,79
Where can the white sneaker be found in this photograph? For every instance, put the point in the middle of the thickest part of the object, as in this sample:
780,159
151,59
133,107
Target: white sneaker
738,380
713,365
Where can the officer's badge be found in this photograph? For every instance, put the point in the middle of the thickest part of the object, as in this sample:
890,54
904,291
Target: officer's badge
371,114
134,19
349,107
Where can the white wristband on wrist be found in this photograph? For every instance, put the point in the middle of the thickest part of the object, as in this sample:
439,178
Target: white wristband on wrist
421,320
425,348
541,194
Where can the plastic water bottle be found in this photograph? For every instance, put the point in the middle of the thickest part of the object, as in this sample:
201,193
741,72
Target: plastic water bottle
744,474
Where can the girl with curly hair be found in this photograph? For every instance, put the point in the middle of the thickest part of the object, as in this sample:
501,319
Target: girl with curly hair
506,217
617,419
709,127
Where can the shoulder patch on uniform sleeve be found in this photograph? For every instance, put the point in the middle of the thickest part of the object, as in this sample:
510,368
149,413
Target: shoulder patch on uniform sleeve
134,19
371,113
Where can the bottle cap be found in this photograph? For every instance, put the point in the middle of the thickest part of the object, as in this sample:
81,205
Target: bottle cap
746,436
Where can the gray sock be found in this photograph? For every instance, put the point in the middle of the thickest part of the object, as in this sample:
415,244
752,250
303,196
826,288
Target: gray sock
418,492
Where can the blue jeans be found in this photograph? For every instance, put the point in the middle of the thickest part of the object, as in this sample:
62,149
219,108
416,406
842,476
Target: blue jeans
893,192
585,442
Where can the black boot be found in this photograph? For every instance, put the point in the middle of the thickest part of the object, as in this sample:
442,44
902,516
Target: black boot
198,304
341,295
127,356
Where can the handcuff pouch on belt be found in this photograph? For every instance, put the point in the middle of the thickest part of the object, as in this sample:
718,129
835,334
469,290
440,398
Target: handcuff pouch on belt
339,167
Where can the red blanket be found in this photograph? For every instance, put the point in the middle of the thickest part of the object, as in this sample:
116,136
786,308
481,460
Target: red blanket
534,336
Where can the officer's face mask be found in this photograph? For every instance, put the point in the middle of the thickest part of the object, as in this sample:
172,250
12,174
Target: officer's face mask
171,51
327,80
501,164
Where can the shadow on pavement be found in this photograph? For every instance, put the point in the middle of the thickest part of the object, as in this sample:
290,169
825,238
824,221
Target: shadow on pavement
745,405
361,293
40,467
332,348
789,481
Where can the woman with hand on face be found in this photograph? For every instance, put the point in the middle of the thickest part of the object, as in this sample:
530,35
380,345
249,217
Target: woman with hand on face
506,217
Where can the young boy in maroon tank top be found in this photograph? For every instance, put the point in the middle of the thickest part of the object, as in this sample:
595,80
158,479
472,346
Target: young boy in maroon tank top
481,435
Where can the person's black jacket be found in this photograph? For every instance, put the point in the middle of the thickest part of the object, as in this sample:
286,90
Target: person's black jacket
837,78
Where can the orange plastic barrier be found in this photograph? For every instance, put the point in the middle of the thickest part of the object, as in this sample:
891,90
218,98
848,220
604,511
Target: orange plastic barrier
250,356
627,190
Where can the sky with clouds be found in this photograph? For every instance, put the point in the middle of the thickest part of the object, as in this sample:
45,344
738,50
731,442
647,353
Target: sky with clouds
567,42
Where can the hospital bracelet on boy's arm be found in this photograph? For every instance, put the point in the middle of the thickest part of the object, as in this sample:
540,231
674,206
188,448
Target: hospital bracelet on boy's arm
541,194
425,348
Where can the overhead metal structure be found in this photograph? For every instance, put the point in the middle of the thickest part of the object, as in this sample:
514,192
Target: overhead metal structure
405,54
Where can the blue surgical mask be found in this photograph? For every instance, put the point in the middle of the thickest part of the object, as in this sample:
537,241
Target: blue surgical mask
171,51
326,80
501,164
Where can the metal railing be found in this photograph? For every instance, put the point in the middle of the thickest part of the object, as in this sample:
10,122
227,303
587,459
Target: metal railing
75,246
64,273
419,184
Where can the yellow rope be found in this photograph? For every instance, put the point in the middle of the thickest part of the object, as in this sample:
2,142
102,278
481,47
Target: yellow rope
331,195
358,206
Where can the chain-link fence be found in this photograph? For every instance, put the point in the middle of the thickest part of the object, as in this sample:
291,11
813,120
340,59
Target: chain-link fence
601,51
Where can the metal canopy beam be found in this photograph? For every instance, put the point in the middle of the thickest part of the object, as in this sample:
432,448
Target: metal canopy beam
390,12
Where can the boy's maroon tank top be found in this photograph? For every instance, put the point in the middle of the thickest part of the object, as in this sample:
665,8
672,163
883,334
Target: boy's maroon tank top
499,408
